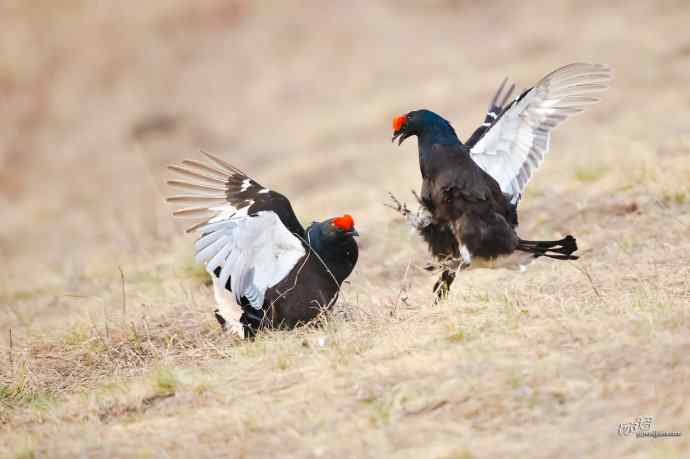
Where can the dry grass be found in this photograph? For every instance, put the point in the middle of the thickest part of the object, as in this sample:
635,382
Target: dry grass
541,364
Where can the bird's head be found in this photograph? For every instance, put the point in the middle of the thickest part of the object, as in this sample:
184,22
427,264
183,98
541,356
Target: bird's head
333,240
419,123
339,227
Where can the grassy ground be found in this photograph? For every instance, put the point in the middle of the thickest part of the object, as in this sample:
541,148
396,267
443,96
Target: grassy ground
108,346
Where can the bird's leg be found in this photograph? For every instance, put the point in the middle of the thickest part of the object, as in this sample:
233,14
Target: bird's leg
459,229
450,269
442,285
418,220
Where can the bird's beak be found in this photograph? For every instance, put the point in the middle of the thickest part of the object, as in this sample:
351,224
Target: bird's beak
353,233
401,135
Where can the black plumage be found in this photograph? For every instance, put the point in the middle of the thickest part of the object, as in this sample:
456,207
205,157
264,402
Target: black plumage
254,247
470,191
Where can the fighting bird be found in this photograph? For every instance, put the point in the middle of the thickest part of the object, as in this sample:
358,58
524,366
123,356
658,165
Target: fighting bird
267,270
470,191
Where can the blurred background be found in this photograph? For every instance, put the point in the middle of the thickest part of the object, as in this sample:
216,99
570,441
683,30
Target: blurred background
97,98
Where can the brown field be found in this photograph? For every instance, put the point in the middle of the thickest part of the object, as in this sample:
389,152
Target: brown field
108,347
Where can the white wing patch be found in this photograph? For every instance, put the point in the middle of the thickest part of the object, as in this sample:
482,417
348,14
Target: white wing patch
515,146
254,252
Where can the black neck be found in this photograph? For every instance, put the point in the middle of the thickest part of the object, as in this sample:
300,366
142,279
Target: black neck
441,133
339,254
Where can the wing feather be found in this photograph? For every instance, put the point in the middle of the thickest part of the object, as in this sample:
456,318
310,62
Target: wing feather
249,232
254,252
225,190
515,145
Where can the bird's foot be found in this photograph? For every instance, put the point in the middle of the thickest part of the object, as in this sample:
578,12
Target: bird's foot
441,291
442,285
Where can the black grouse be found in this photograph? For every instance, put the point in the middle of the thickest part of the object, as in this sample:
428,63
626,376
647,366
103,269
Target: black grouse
470,191
255,249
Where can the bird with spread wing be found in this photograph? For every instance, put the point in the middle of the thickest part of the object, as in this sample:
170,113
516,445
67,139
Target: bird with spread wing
470,191
267,270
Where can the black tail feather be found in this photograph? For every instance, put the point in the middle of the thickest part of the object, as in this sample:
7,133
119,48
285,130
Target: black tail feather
559,250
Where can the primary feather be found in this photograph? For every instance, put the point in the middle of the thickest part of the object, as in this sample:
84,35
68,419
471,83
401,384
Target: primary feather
515,145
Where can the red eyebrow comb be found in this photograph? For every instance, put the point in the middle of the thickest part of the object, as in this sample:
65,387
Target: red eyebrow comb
345,222
398,122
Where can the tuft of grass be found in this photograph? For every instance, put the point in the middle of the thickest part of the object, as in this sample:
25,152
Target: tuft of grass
111,387
44,367
251,424
459,454
378,408
457,337
76,336
20,394
678,197
380,413
515,380
590,174
195,271
24,453
283,362
165,381
202,388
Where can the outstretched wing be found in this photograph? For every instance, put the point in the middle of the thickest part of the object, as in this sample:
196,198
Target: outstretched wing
249,233
514,146
253,252
495,110
219,190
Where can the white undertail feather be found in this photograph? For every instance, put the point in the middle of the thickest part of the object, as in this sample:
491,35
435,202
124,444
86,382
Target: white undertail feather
465,255
518,261
228,308
515,146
